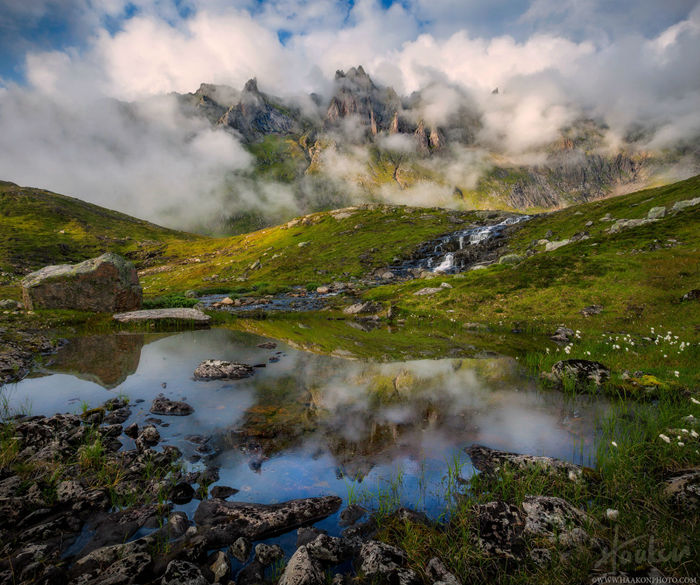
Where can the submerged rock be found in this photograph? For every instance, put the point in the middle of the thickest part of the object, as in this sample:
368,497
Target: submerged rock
267,554
222,370
490,460
227,521
104,284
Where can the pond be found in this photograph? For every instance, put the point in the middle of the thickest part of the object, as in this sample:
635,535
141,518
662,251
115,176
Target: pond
374,433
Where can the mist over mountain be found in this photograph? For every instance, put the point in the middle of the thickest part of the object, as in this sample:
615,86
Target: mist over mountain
305,106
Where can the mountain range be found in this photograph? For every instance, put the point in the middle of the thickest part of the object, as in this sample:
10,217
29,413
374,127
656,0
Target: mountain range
365,142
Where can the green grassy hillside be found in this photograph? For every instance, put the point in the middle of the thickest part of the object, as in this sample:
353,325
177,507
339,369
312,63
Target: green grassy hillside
39,227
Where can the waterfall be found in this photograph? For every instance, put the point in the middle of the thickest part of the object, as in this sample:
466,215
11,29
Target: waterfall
446,264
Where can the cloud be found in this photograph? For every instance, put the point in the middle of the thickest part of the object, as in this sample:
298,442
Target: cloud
65,130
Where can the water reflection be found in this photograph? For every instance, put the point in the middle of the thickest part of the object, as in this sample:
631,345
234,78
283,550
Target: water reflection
308,424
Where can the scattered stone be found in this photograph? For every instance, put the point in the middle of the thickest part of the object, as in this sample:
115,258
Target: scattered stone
438,572
180,314
428,291
622,224
267,554
103,284
240,549
220,370
10,305
510,259
489,460
364,307
307,534
591,310
581,371
384,563
351,514
166,407
323,290
182,493
683,492
226,521
191,294
501,527
588,224
681,205
556,520
183,573
227,301
692,295
550,246
562,334
222,492
149,435
328,549
267,345
656,213
302,570
218,565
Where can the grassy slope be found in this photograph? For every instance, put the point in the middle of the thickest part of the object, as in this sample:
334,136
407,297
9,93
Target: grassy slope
38,227
331,250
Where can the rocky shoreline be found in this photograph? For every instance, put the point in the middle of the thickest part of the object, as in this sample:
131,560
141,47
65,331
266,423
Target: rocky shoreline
86,501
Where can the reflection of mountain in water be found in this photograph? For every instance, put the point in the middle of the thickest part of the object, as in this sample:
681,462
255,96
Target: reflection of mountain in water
106,360
367,414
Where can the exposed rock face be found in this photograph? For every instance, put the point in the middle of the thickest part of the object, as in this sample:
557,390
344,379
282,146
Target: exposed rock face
556,520
220,369
489,460
256,115
178,314
104,284
227,521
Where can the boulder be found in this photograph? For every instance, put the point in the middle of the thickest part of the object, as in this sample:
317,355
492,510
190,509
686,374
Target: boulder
383,563
510,259
166,407
180,314
489,460
267,554
105,284
183,573
562,334
680,205
240,549
501,527
328,549
227,521
557,521
581,371
302,570
222,370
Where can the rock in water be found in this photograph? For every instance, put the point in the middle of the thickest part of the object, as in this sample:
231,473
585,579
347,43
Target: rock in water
226,521
219,370
104,284
194,316
166,407
302,570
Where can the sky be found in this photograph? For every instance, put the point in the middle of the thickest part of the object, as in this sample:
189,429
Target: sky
66,65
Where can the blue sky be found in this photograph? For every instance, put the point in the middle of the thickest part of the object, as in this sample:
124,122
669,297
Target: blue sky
50,25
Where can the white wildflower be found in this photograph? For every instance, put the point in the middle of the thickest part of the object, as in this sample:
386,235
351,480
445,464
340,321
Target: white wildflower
681,444
676,373
694,401
664,438
613,443
612,515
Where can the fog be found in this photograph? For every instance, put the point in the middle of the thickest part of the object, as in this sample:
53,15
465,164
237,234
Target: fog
94,118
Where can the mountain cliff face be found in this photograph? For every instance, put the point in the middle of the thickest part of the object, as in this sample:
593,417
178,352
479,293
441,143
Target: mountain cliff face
359,113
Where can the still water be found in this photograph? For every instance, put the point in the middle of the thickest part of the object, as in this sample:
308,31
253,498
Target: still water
308,424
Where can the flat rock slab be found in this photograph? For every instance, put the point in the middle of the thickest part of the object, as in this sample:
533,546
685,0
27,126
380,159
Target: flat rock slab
224,522
181,314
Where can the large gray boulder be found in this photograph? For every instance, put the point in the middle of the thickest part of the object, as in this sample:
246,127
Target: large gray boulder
105,284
